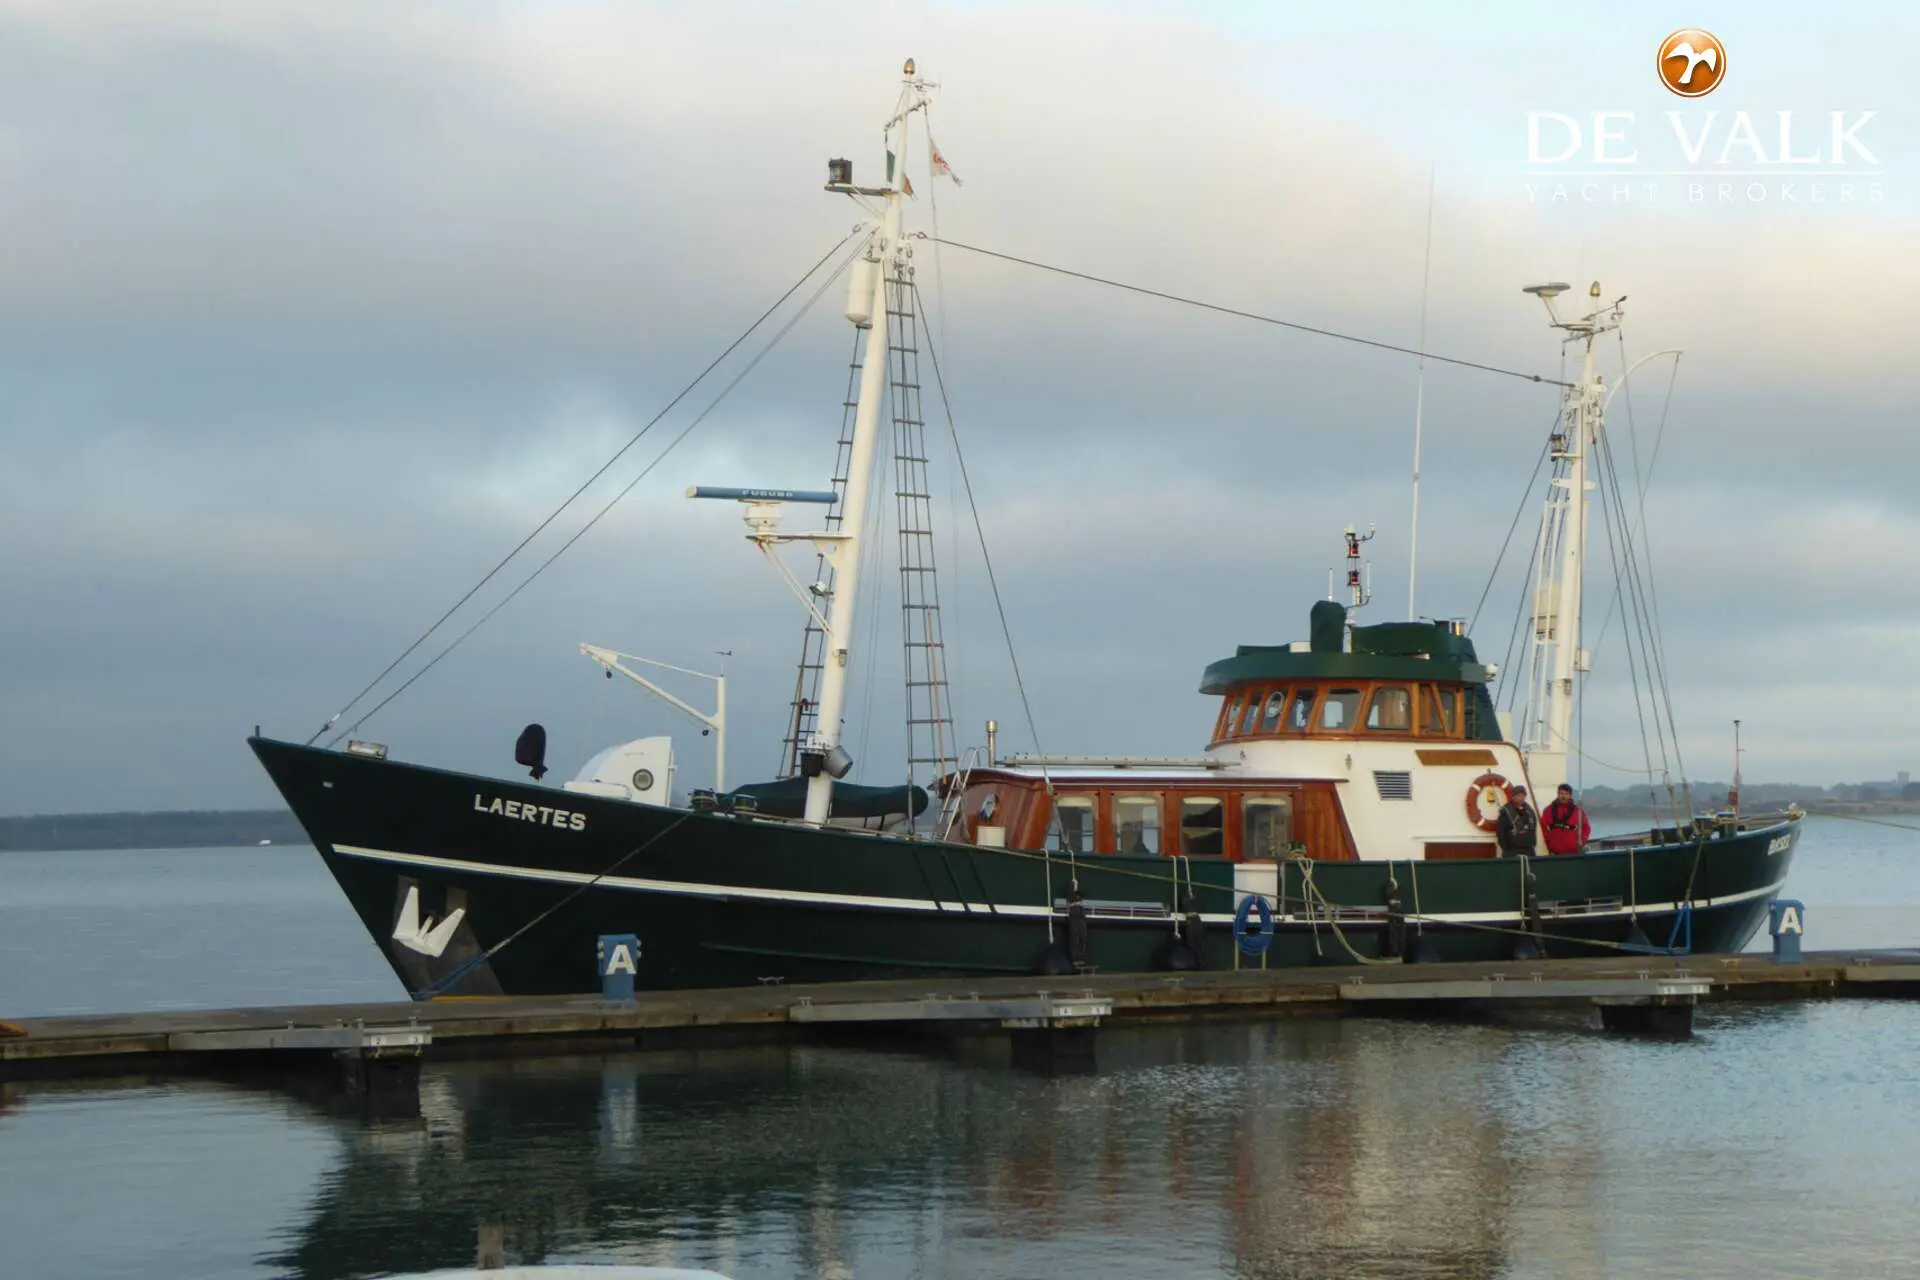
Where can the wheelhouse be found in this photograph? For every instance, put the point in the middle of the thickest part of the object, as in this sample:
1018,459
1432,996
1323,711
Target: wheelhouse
1373,742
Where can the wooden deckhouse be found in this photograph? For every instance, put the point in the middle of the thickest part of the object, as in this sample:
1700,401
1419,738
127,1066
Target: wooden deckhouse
1360,743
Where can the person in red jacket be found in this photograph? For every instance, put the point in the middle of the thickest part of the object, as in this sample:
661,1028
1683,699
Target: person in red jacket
1565,823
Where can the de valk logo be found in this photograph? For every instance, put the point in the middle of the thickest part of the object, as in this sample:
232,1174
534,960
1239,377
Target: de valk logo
1692,62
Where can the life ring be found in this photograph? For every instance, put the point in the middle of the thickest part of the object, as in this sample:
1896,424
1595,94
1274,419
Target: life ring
1251,941
1486,796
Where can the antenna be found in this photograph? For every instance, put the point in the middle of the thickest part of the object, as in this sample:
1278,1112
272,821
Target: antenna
1359,584
1419,400
1733,792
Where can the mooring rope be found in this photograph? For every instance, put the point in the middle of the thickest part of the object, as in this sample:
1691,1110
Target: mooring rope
466,967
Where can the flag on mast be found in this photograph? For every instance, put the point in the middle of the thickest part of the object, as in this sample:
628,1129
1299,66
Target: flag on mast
906,183
940,167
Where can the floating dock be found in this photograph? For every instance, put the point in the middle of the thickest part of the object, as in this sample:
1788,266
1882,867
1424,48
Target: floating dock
369,1047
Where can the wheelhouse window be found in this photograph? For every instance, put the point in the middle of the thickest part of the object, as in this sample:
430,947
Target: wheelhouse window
1442,713
1203,826
1072,824
1341,709
1249,714
1229,715
1391,710
1272,710
1267,826
1136,821
1300,716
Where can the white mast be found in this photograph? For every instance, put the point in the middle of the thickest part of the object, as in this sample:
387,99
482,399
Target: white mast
1546,729
887,255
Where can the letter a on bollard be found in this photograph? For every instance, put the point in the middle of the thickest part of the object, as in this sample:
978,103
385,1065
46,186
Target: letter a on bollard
1787,922
619,960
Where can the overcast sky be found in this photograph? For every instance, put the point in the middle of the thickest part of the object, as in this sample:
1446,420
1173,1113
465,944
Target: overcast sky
309,313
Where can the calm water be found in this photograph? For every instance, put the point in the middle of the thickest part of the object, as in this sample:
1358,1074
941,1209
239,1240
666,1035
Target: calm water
1780,1141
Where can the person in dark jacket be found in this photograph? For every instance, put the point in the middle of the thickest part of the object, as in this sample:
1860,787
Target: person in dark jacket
1519,826
1565,823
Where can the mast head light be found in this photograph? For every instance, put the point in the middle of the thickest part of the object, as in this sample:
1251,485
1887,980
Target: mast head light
1546,290
1593,291
839,173
908,69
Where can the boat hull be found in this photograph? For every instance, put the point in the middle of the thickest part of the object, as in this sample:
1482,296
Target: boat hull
477,886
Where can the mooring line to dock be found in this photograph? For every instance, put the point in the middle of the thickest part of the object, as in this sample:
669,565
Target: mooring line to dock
465,967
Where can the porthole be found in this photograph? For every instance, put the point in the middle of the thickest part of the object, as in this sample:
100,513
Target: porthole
643,779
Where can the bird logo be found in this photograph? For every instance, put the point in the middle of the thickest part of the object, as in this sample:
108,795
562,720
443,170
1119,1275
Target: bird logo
1692,62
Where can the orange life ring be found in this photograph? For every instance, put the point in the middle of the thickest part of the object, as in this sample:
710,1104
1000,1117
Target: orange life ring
1486,796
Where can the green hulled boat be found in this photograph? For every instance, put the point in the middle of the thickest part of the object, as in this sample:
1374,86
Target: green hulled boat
1342,807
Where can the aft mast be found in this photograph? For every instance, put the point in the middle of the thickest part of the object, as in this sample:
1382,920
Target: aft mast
1555,658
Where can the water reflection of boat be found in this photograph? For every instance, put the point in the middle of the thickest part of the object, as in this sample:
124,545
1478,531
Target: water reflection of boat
1293,1150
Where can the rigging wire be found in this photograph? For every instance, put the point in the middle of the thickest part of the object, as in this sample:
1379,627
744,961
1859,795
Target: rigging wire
1644,480
1526,495
1249,315
1646,547
588,483
1619,585
1658,686
979,528
1511,689
645,471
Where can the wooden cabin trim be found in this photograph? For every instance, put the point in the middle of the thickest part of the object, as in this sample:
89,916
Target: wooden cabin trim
1472,757
1317,817
1424,707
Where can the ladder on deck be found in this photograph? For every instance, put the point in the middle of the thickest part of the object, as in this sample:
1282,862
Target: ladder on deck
803,715
930,742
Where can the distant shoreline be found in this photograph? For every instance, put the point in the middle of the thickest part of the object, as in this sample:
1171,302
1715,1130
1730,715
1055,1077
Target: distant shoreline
162,829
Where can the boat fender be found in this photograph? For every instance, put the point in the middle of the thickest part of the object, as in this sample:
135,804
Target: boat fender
1396,941
1252,941
1193,930
1076,930
1529,945
1486,795
530,750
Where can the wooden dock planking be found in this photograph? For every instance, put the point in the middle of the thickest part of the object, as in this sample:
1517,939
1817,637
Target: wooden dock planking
482,1027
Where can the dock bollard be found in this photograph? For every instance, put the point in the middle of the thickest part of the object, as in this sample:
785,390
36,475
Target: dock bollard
1786,921
619,958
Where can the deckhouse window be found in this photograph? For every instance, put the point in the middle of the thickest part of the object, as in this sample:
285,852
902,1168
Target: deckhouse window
1203,826
1268,826
1301,716
1072,824
1442,715
1341,709
1270,713
1136,819
1392,710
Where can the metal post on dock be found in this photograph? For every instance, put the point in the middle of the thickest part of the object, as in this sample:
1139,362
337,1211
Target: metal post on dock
1787,922
618,956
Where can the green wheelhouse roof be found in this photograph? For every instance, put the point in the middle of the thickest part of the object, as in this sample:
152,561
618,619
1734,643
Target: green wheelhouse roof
1386,651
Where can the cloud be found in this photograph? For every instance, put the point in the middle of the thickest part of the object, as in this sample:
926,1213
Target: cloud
313,313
